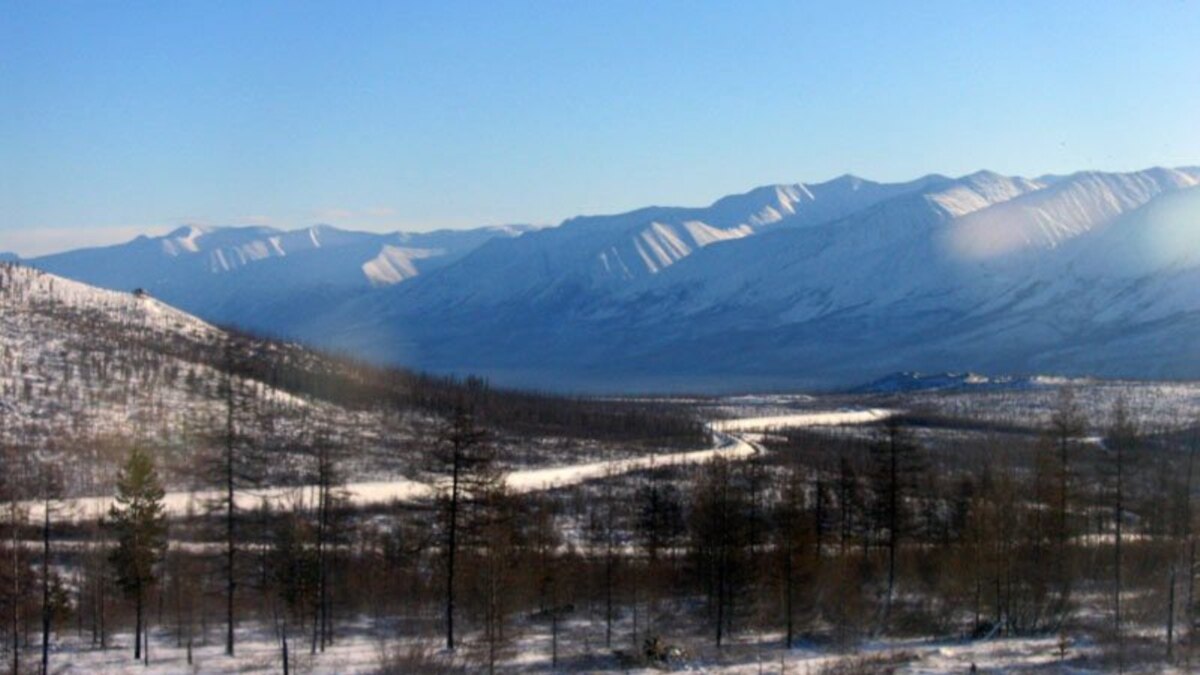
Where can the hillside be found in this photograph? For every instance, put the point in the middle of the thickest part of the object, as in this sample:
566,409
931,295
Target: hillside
84,372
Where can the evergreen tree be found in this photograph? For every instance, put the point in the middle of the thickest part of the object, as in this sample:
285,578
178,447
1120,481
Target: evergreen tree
139,523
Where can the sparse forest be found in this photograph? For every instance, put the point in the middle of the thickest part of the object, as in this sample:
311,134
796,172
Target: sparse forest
1074,526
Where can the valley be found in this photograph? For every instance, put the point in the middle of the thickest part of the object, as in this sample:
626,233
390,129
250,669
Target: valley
600,533
771,338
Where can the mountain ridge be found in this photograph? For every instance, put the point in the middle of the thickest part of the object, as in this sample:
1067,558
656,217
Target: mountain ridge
797,285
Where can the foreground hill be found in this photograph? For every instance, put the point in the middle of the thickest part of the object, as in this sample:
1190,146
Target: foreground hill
84,372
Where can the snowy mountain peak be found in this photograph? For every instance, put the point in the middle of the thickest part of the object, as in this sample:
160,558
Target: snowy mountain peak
979,191
188,232
1063,210
847,179
183,240
257,276
761,206
785,285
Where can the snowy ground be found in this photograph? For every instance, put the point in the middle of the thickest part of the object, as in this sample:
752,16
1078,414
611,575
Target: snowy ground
816,418
1156,405
385,492
360,652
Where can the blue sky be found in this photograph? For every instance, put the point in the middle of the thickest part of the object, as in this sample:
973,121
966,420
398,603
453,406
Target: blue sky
122,117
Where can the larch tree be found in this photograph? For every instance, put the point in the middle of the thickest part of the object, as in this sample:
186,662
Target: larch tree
1067,425
49,487
463,453
235,463
897,464
1120,441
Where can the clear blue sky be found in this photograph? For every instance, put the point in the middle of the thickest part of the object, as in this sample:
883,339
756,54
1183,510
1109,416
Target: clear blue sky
120,116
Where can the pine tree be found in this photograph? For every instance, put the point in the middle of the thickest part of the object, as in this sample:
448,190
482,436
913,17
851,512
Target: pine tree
139,524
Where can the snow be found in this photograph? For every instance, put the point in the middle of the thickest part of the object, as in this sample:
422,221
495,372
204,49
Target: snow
256,277
555,477
783,287
385,492
806,419
184,240
731,444
359,650
1157,405
983,273
395,264
24,285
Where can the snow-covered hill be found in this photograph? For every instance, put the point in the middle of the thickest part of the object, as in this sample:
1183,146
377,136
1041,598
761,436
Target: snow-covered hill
258,276
801,285
85,372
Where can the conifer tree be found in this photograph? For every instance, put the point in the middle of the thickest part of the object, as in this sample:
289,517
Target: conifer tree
139,524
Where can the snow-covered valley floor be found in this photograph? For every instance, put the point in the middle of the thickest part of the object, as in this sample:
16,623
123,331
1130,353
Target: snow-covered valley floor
371,493
358,651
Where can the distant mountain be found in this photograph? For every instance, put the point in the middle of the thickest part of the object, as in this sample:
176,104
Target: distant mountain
597,254
8,257
258,276
792,286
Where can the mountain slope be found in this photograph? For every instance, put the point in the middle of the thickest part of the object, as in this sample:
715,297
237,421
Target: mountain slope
901,284
259,276
792,286
86,372
83,369
594,255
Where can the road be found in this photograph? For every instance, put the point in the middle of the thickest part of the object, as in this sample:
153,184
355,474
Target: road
731,444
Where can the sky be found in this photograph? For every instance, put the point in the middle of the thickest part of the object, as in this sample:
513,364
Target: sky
118,118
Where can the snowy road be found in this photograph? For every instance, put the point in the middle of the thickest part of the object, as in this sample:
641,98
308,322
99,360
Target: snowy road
730,445
816,418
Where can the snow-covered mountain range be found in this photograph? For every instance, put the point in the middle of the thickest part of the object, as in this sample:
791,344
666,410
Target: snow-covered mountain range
254,276
784,286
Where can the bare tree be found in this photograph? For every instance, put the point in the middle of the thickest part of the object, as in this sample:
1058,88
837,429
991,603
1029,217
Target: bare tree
897,466
1067,425
49,487
1121,440
718,530
461,452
